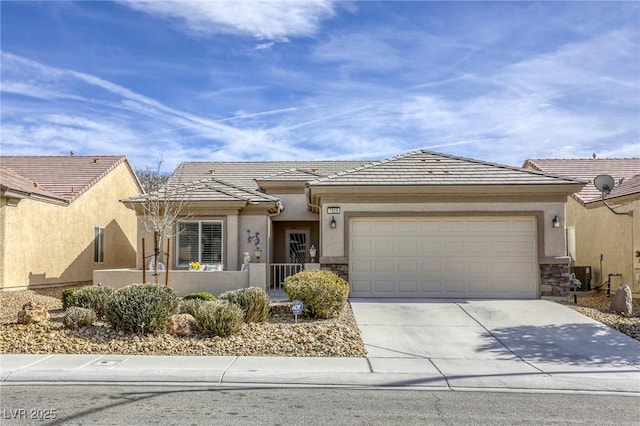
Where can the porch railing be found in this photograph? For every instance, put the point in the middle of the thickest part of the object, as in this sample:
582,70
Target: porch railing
280,271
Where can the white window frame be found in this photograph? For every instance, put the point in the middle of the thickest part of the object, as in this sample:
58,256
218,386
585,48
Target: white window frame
98,244
199,222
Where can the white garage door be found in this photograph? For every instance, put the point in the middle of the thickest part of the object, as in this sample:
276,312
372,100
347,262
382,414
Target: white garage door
466,257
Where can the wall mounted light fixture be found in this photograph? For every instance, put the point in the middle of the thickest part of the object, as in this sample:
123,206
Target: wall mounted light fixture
313,251
555,222
333,224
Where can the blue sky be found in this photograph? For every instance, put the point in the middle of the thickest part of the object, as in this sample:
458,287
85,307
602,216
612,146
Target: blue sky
200,81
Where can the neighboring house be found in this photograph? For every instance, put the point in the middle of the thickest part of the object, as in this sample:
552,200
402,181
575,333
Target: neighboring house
422,224
597,238
60,218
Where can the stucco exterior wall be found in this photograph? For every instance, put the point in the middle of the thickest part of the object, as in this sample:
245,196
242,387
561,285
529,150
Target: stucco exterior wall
48,244
333,243
185,282
617,238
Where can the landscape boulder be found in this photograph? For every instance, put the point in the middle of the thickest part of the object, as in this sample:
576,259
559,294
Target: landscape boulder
33,313
622,301
181,325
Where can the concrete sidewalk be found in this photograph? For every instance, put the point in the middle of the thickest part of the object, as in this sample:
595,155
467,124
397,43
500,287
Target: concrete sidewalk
443,374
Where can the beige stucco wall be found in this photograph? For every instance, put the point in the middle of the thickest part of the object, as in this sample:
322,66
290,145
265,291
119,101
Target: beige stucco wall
616,237
334,240
47,244
185,282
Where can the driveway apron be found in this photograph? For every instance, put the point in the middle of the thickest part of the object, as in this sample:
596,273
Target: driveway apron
543,334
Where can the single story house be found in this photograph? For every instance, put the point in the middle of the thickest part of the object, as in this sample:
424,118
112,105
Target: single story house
60,218
422,224
606,243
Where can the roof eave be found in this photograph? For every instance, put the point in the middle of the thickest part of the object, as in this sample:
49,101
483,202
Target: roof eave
503,189
21,195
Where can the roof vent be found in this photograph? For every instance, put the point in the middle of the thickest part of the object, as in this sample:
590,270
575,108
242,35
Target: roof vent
212,171
36,184
95,160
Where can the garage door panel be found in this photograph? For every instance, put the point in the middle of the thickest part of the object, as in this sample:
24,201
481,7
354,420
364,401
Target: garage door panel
454,247
430,247
431,288
479,287
408,247
431,266
362,246
525,226
361,287
501,226
444,257
384,266
454,287
410,266
525,247
361,266
407,288
384,227
385,287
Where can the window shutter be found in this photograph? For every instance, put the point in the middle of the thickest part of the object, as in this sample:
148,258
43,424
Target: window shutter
187,242
211,242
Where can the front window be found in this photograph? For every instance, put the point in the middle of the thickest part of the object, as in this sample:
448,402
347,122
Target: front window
200,241
98,244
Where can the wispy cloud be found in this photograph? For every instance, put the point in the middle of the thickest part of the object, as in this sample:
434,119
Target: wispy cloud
352,90
264,20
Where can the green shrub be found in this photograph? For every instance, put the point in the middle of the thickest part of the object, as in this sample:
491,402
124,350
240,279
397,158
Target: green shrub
141,308
93,297
219,318
66,295
203,295
191,306
323,293
254,302
78,317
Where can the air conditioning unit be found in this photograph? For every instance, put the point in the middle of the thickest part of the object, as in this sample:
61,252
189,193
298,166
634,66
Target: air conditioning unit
583,274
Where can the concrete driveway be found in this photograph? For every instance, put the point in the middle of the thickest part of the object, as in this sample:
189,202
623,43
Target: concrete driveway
465,340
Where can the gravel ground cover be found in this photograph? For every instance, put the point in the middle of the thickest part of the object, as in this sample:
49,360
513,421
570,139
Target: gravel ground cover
596,306
279,336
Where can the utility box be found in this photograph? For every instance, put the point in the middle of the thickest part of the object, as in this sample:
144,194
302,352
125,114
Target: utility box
583,274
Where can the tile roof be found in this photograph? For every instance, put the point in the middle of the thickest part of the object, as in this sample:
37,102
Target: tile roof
245,173
65,176
293,175
212,189
430,168
587,169
12,181
627,187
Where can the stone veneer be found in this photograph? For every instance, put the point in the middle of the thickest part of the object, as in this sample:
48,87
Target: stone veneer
554,279
340,269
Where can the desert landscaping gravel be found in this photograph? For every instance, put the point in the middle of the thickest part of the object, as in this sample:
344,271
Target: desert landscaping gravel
279,336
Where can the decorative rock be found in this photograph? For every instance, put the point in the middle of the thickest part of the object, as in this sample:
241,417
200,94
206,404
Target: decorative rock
33,313
622,301
181,325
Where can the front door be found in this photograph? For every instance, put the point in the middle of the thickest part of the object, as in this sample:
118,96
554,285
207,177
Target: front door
297,241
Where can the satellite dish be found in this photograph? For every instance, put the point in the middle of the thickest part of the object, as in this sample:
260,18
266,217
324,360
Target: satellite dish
604,183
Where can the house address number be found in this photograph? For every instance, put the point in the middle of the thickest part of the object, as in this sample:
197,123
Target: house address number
333,210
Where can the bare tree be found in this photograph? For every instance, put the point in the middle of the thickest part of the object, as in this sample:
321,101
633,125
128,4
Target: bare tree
161,208
152,179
